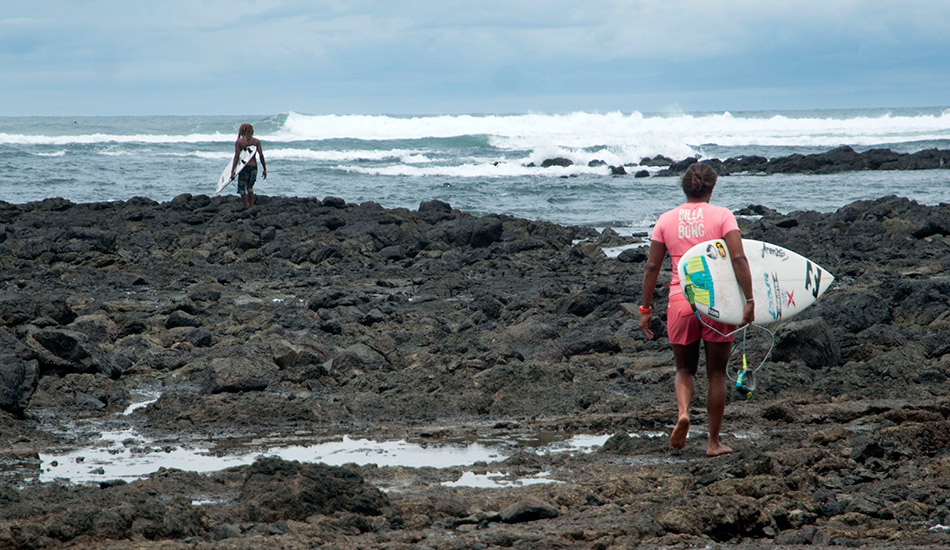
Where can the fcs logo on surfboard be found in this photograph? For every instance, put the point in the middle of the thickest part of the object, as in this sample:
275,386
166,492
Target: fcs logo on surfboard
716,250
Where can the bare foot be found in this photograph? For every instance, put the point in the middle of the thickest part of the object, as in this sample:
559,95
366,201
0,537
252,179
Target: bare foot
678,437
717,449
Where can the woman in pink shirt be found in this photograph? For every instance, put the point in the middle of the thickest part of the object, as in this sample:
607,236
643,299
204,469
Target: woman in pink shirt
676,232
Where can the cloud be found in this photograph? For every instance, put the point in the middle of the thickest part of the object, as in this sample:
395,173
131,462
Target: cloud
296,53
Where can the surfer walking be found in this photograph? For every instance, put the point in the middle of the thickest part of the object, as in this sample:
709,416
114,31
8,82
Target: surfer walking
248,175
676,231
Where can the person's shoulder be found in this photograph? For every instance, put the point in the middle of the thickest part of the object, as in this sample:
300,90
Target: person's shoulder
671,213
664,220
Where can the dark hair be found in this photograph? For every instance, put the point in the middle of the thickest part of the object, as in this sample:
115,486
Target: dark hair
698,180
245,130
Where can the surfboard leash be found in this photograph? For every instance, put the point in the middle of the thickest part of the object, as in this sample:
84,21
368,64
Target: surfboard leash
745,378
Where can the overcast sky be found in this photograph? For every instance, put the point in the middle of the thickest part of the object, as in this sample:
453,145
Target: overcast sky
104,57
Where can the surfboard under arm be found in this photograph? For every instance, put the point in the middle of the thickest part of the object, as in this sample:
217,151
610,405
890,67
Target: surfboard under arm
245,157
783,282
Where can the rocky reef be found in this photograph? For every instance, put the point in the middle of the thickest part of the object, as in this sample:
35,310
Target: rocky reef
837,160
352,319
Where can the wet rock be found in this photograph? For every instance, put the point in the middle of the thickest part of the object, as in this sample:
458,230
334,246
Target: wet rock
528,510
924,437
333,297
609,237
808,535
237,374
226,531
18,381
391,253
179,318
360,357
98,327
679,520
591,343
115,512
619,443
334,202
19,374
587,249
435,210
197,337
392,321
558,161
474,232
16,310
372,317
61,350
840,159
275,490
633,256
810,341
658,160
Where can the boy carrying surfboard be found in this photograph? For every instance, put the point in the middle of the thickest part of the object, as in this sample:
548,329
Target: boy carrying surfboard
248,175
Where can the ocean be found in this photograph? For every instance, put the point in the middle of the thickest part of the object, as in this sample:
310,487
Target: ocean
476,163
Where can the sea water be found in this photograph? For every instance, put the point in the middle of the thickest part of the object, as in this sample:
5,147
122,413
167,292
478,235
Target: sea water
126,454
478,163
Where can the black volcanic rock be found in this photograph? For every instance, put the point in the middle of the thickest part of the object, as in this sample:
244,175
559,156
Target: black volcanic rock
840,159
437,328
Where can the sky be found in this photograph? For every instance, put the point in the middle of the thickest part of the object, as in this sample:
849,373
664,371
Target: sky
211,57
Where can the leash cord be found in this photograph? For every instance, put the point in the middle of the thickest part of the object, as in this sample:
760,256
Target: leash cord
745,379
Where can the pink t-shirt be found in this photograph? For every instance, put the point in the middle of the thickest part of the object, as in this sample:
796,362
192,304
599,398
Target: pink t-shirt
689,224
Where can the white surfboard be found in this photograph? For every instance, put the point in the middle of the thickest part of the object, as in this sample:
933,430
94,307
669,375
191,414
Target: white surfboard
783,282
246,155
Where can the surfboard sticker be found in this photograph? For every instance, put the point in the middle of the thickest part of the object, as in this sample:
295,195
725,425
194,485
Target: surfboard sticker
246,155
783,282
699,287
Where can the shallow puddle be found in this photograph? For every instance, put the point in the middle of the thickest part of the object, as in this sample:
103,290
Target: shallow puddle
495,480
128,455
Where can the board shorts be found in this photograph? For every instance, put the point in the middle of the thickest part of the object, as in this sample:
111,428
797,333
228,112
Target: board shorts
682,326
246,179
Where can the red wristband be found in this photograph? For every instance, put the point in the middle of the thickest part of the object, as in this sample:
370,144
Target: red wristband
645,310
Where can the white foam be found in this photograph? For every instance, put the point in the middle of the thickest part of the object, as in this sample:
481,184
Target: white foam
348,155
484,169
147,399
614,137
676,133
31,139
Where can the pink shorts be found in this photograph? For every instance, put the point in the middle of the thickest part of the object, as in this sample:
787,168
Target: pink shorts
683,327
